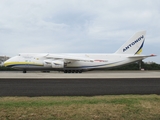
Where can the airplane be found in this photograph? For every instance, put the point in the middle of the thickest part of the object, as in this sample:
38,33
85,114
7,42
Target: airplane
129,52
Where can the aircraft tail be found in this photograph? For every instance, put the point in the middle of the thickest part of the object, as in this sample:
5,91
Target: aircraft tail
133,45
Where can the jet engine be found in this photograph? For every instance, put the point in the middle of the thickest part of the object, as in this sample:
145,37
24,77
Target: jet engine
57,64
47,63
53,63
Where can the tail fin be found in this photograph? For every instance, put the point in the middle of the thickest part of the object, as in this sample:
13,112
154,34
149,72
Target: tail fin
133,45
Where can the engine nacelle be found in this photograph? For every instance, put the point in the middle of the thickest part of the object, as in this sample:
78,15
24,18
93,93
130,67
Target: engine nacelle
47,63
57,64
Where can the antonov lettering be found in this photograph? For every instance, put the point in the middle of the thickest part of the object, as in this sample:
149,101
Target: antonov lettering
133,43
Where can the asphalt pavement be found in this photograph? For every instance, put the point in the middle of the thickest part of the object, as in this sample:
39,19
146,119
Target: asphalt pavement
78,86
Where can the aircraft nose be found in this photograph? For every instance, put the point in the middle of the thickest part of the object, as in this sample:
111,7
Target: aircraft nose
5,63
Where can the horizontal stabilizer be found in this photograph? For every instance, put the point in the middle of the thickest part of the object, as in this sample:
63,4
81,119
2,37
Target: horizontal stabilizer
141,56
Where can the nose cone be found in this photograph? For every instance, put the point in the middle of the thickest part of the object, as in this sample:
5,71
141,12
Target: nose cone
5,63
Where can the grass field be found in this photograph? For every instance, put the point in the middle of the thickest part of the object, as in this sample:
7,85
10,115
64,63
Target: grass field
123,107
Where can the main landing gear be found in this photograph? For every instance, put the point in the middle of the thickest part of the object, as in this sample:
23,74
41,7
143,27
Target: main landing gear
72,71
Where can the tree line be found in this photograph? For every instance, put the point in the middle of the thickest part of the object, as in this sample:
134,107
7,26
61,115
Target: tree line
137,66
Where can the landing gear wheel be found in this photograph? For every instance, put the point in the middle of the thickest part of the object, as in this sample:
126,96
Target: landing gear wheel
72,71
24,71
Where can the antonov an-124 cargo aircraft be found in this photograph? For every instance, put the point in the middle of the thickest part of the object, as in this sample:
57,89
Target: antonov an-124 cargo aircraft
76,63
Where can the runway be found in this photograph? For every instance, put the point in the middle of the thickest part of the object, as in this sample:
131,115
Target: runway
78,87
36,83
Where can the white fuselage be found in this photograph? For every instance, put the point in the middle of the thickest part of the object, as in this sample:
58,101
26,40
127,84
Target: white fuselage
39,61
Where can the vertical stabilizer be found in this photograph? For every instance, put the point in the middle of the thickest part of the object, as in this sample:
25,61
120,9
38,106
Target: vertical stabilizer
133,45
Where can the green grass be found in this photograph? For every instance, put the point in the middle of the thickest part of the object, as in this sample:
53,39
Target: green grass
123,107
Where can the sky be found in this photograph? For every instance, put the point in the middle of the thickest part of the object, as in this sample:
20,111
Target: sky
77,26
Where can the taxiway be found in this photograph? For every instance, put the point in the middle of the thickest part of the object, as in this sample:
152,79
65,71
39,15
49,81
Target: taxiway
89,74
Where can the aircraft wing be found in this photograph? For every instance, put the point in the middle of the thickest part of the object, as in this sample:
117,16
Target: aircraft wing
68,57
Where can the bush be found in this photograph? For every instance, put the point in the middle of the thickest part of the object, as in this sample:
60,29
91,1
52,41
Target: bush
2,68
